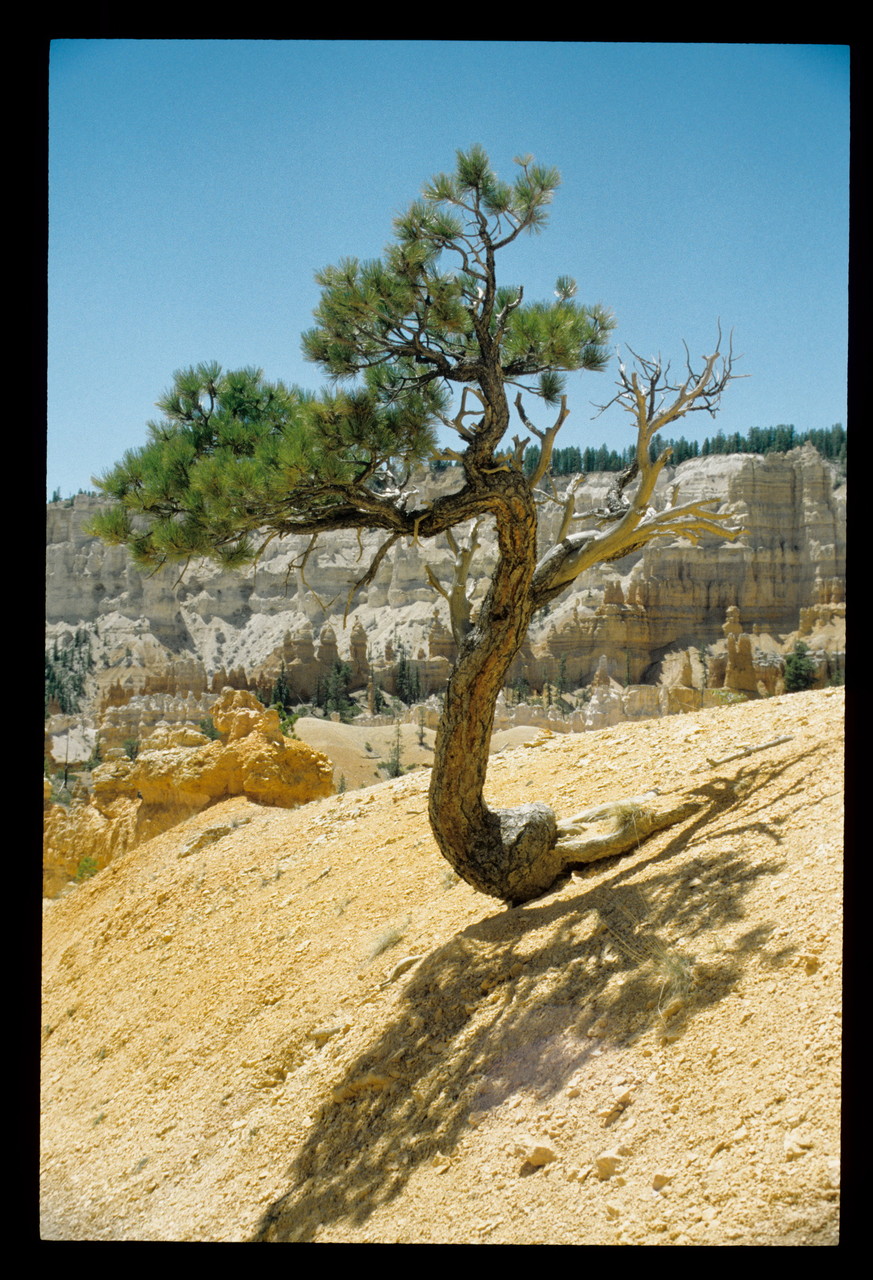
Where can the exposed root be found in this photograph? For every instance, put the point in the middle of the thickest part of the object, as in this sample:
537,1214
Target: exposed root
533,850
582,838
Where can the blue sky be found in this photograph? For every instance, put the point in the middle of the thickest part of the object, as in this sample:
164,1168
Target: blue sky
196,186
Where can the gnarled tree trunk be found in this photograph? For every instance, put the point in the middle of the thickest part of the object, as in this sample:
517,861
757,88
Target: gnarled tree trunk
508,854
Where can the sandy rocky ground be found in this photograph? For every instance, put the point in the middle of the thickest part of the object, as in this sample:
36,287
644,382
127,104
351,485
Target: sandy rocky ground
300,1026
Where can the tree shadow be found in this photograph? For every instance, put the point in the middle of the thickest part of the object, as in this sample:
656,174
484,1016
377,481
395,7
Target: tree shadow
520,1000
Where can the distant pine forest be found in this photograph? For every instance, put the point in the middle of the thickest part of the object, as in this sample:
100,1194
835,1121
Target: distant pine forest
830,442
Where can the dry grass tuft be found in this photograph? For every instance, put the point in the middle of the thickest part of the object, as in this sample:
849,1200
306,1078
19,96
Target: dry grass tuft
387,938
627,924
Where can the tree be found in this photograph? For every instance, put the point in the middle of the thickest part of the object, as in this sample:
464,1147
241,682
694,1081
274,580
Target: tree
800,670
237,461
332,694
394,760
282,695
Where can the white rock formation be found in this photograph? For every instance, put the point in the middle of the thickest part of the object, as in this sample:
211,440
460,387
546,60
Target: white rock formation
160,639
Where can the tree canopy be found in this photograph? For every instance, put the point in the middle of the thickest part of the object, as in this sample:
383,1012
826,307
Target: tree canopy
421,336
235,455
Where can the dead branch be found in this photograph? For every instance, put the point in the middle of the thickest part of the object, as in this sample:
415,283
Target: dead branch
747,751
371,572
582,838
505,313
653,399
617,502
519,444
647,390
182,573
569,513
300,566
546,437
435,582
448,455
456,594
457,423
692,521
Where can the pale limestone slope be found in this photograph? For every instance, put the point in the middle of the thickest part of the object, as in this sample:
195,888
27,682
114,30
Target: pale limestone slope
227,1053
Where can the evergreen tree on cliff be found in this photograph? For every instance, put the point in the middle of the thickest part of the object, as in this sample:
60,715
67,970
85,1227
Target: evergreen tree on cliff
237,461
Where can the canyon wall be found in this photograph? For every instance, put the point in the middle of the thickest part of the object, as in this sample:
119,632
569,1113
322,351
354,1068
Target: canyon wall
164,645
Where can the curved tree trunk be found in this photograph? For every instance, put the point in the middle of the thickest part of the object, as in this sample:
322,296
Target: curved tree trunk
508,854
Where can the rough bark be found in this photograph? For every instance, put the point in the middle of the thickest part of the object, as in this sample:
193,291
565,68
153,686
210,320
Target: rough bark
517,854
508,854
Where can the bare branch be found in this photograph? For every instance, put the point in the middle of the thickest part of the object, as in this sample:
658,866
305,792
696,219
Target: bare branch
435,582
448,455
184,570
570,505
648,394
506,312
456,594
528,425
747,751
371,572
519,443
582,839
567,503
646,391
547,437
457,423
300,566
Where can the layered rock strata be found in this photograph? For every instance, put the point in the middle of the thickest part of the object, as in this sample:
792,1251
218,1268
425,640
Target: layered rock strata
160,641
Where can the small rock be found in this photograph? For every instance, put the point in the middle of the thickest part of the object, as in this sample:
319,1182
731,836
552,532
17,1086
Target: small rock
606,1164
795,1145
322,1034
660,1180
538,1154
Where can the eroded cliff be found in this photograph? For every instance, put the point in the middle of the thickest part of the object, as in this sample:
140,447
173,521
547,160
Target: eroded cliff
175,773
165,645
